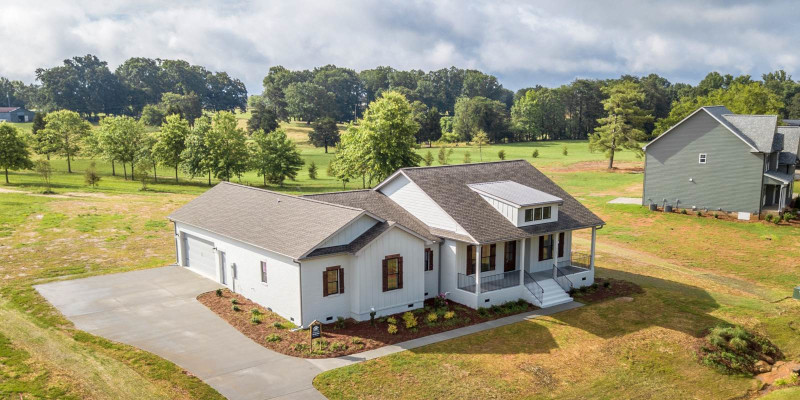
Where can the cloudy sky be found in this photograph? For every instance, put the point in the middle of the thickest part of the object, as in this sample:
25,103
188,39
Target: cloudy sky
522,42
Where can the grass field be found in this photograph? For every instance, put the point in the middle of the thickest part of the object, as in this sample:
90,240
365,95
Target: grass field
695,272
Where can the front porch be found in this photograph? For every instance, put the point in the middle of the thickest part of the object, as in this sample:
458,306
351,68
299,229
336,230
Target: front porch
541,269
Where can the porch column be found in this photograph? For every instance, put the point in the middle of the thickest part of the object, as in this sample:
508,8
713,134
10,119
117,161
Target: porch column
591,255
521,245
555,254
478,269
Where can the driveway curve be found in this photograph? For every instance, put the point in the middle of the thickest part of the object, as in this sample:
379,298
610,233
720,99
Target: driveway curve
157,310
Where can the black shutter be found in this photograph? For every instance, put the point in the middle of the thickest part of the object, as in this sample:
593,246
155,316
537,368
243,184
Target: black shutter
470,259
324,283
561,244
341,280
400,272
385,275
492,256
541,248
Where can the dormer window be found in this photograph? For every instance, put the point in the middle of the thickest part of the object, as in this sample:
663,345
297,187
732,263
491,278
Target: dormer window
538,213
521,205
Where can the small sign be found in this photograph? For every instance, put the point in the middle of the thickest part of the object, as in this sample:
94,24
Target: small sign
744,216
316,329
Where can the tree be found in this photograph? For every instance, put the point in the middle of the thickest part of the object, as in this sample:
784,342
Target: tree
64,130
429,121
14,153
186,105
539,114
227,148
793,108
480,113
262,117
444,155
120,139
83,84
152,115
275,157
325,133
344,85
481,139
144,80
42,143
171,142
196,157
383,142
582,102
428,159
467,158
90,175
312,171
145,154
45,171
621,128
751,98
308,101
501,154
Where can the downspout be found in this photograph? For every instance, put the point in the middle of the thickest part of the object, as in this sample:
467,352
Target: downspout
439,272
300,280
177,243
761,191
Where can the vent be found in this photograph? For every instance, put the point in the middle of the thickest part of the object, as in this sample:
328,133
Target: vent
329,319
411,305
486,301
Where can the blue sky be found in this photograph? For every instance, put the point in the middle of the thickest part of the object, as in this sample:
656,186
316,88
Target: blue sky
524,43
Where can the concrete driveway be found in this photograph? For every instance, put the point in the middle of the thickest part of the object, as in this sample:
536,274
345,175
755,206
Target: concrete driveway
156,310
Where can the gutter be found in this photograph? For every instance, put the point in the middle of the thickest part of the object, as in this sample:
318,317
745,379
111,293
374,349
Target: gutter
300,281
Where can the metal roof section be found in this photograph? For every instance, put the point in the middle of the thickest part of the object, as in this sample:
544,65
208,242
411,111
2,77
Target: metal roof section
514,193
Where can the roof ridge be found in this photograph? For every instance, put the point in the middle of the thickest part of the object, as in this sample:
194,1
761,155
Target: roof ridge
751,115
303,198
336,192
464,165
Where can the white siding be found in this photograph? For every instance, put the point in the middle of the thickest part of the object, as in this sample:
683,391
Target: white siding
409,196
280,293
533,253
350,232
553,215
452,263
368,266
507,210
319,307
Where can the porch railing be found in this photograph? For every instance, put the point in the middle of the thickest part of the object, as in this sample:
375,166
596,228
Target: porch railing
489,283
562,279
582,260
536,290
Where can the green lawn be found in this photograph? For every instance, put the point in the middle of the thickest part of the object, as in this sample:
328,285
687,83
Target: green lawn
695,273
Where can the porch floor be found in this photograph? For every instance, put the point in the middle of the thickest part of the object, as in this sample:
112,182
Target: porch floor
548,274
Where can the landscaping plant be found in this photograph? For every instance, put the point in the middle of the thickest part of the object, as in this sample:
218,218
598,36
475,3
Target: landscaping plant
733,350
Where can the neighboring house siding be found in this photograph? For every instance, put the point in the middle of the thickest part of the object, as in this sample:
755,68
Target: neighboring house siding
730,179
369,274
280,293
409,196
350,232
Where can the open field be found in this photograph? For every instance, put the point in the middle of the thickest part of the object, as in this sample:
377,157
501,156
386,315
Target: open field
696,273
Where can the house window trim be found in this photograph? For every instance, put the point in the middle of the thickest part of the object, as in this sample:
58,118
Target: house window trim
542,247
538,214
263,272
339,271
385,272
529,215
428,262
702,158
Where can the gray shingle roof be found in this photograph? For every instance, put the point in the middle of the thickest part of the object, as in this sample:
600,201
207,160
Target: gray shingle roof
447,186
514,193
759,129
791,144
277,222
377,203
779,176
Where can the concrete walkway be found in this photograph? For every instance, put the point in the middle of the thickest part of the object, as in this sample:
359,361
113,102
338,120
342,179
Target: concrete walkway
157,310
627,200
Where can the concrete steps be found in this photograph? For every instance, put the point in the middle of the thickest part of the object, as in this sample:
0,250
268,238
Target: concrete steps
553,294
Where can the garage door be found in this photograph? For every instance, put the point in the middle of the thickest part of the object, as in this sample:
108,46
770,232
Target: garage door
200,256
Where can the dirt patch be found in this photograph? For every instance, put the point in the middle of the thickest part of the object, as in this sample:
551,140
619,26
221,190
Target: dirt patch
605,289
348,336
583,166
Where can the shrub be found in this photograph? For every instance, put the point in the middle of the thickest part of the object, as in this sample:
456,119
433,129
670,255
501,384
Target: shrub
449,315
684,211
483,312
336,346
792,379
312,170
340,323
467,158
236,308
300,347
218,292
501,154
356,340
410,320
699,213
440,301
768,218
255,319
564,150
278,325
255,311
275,338
432,317
788,216
91,177
535,153
716,216
606,284
428,159
234,301
392,329
321,344
391,320
734,350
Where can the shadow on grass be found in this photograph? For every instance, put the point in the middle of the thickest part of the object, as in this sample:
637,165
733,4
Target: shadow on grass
663,303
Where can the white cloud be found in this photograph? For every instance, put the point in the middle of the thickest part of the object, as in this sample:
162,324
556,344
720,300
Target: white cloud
523,43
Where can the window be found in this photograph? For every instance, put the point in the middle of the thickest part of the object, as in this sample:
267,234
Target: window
545,247
488,257
264,271
510,256
702,159
428,260
470,259
332,281
392,272
529,215
538,213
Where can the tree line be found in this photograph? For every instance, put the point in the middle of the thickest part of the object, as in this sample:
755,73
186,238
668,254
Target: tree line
86,85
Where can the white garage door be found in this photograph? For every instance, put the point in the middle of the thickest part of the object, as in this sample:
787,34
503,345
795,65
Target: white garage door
200,256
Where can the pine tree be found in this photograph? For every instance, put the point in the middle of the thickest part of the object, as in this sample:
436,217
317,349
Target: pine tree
622,127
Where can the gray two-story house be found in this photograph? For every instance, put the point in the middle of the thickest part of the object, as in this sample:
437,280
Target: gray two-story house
717,160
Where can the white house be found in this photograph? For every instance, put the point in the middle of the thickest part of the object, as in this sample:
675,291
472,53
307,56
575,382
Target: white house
483,233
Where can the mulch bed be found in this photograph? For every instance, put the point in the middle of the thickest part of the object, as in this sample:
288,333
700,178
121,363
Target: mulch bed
606,289
274,332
